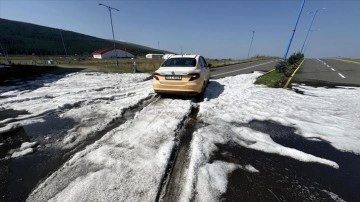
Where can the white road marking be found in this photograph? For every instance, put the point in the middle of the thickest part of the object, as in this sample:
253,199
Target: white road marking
242,69
342,75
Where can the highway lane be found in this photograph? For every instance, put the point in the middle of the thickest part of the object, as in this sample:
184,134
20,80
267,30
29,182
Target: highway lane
328,72
243,68
349,71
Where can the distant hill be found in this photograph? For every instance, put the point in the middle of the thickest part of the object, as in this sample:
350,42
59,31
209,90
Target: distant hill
26,38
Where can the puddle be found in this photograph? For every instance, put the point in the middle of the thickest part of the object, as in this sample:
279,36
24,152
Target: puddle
18,177
53,127
279,179
287,178
10,113
11,140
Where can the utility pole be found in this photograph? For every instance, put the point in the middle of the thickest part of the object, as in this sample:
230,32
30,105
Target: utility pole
62,39
5,53
112,29
252,39
294,30
159,45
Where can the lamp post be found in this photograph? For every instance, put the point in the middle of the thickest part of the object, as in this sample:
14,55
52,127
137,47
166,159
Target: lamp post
308,32
252,39
112,29
294,30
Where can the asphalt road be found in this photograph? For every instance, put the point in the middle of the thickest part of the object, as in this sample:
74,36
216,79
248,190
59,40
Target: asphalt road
328,72
243,68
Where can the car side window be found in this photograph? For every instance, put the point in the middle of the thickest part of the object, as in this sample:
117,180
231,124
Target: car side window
206,65
202,65
203,62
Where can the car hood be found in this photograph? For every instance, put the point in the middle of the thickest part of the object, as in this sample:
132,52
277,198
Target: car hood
176,70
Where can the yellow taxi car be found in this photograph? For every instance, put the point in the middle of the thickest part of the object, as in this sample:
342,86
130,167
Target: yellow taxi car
182,74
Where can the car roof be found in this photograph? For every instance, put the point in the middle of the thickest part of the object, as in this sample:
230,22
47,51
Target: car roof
184,56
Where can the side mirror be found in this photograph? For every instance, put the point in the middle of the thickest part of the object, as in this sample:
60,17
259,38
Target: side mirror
209,65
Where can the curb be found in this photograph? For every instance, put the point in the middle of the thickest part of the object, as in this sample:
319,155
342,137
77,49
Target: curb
288,81
268,72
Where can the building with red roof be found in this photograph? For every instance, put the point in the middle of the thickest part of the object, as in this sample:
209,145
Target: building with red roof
110,53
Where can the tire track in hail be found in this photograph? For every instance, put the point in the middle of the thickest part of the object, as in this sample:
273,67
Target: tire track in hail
175,176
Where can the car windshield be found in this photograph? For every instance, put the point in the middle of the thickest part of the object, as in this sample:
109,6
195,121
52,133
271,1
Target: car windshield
180,62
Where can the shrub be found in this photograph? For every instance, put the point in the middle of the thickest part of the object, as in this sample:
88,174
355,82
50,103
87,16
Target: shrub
295,58
290,63
281,66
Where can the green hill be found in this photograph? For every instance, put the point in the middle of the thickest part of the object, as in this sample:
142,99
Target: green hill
25,38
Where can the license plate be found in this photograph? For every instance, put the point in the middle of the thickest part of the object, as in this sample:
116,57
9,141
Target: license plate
173,77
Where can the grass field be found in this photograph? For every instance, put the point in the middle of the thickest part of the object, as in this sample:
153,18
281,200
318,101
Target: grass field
272,79
109,65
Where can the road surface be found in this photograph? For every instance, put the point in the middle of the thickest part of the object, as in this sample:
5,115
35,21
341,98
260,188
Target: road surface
243,68
328,72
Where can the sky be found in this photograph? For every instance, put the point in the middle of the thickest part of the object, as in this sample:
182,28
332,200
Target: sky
213,28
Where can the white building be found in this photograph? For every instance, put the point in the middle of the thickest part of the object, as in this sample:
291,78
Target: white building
111,53
154,56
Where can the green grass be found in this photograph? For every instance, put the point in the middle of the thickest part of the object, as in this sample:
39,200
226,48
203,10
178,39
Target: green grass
103,65
273,79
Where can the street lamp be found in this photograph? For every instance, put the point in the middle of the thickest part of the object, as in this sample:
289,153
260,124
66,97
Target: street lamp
252,38
308,32
112,29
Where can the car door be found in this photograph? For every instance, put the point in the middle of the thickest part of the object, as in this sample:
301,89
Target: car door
205,68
